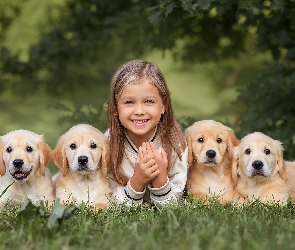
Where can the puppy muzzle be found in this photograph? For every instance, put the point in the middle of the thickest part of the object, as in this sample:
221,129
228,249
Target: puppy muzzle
83,163
257,168
210,157
19,174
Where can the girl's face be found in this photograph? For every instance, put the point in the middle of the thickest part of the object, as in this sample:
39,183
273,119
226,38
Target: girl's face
140,107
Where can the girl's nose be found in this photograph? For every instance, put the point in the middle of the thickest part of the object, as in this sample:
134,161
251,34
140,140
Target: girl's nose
139,110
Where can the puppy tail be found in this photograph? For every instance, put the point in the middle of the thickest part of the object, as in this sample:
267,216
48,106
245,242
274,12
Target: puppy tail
45,151
2,166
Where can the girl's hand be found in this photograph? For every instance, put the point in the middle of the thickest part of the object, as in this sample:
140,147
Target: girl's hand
145,169
162,162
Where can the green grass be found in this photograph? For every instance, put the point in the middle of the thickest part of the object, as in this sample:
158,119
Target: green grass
190,225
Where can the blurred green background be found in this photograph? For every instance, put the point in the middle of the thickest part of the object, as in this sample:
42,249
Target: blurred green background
219,59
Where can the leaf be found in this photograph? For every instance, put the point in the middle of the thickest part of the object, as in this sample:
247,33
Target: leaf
69,211
204,4
156,17
5,190
57,213
170,7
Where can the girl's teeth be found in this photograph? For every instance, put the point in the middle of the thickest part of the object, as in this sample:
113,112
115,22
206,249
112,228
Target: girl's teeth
142,121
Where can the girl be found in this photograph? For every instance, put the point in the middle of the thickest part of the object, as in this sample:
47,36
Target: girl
149,155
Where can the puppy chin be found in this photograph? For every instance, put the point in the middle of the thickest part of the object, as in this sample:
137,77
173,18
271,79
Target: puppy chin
257,173
83,169
209,162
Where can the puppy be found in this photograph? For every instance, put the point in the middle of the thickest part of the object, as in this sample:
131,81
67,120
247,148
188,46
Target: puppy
82,154
259,170
210,145
23,160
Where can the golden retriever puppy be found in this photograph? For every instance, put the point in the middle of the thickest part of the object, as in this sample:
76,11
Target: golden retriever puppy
259,170
210,145
290,169
82,154
23,159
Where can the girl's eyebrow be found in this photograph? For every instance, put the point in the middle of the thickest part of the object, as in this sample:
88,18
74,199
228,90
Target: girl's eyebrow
132,96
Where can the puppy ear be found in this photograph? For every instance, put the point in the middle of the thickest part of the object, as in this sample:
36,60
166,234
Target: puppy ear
59,158
235,166
190,159
232,140
281,162
45,151
105,158
2,165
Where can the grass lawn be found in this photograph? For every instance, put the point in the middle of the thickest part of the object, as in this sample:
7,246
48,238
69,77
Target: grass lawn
190,225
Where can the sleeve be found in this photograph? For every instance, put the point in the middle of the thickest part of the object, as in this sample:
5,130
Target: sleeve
125,194
173,189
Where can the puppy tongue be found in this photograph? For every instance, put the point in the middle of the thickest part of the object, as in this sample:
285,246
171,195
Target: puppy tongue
19,175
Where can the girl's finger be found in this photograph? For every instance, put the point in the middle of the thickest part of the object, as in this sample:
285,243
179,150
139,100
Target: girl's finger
144,150
140,152
149,150
154,149
152,169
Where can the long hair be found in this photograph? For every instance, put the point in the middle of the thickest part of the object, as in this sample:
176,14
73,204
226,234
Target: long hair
172,137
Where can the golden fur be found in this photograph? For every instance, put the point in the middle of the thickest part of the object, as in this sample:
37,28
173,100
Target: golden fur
259,170
23,160
210,145
82,155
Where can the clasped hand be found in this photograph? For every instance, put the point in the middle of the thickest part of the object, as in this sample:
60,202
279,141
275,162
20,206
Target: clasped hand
151,166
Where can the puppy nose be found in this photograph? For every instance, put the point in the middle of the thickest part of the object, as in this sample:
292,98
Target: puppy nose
18,163
257,164
82,159
211,153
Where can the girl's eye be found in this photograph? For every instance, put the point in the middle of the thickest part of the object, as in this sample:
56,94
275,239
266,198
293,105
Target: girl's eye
29,149
93,145
9,149
73,146
267,151
149,101
247,151
219,140
201,140
128,102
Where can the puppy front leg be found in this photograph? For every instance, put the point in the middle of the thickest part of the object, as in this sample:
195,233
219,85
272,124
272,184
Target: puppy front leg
231,196
101,205
65,197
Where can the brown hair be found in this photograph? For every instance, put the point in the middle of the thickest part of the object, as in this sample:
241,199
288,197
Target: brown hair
171,135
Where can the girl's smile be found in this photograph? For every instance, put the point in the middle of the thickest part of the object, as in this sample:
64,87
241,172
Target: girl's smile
140,122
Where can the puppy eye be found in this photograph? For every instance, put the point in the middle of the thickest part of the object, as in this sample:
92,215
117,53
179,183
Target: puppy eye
267,151
201,140
29,149
219,140
9,149
248,151
93,145
73,146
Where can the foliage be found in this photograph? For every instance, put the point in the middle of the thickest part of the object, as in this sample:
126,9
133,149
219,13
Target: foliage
270,105
190,225
90,39
85,34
